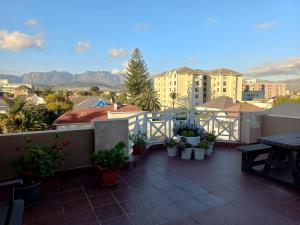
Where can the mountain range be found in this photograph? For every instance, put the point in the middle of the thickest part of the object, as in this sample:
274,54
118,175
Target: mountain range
54,78
102,79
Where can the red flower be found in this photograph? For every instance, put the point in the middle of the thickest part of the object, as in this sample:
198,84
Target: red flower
29,174
65,143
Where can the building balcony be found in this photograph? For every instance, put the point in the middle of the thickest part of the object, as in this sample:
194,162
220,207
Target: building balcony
157,189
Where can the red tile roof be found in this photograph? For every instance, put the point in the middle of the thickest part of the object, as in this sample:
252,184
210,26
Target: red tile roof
86,115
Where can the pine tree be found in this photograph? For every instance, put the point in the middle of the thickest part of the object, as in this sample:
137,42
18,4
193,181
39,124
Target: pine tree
136,75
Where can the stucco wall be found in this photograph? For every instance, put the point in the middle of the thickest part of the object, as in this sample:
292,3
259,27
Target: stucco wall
272,125
78,152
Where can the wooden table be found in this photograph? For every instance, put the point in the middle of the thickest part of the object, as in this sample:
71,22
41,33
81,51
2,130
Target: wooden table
285,149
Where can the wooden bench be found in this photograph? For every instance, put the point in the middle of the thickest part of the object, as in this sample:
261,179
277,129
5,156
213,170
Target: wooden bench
250,153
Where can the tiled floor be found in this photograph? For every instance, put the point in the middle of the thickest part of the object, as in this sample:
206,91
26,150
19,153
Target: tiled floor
171,192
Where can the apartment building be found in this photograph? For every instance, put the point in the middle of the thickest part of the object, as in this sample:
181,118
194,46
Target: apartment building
270,89
194,87
8,88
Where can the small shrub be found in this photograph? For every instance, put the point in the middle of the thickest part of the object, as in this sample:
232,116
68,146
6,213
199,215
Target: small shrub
170,143
138,139
111,158
188,130
202,145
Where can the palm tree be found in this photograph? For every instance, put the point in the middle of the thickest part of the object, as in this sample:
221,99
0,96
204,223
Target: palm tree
148,100
173,96
112,95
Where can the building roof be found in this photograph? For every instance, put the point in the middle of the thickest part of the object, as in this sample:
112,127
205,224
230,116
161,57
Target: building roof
218,103
243,107
86,115
285,109
86,101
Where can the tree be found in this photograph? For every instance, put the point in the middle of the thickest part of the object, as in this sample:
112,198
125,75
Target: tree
21,116
136,75
112,96
122,98
95,91
148,100
285,99
58,103
173,96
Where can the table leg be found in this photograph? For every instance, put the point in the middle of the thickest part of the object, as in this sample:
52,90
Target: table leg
293,165
269,161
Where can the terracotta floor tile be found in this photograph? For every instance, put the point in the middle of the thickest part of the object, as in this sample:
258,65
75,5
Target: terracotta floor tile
109,212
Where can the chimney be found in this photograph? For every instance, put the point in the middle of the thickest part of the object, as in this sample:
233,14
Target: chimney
115,106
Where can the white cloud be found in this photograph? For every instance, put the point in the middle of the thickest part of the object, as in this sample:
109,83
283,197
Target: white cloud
118,52
16,40
289,67
212,20
116,71
266,25
142,26
82,46
31,22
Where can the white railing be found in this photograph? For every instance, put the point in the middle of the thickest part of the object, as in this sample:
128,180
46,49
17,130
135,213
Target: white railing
159,125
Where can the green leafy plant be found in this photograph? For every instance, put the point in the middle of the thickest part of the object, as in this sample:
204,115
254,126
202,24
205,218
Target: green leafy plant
203,145
170,142
182,144
138,139
209,137
188,130
111,158
40,161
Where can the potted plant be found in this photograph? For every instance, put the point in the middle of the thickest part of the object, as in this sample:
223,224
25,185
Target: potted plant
191,132
139,142
199,150
210,138
185,148
108,163
171,147
38,162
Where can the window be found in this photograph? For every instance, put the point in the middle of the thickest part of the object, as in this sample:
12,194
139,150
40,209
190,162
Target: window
197,83
174,82
224,83
196,89
224,89
196,96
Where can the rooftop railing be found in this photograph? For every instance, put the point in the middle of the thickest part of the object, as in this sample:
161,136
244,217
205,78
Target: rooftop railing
159,125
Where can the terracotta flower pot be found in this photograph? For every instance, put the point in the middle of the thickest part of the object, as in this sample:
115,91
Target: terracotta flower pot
137,150
107,177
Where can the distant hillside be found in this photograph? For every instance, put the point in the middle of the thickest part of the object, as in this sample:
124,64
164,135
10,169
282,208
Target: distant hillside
293,85
11,78
102,79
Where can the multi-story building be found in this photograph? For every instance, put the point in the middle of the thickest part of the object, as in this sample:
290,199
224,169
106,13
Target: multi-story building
271,89
194,87
8,88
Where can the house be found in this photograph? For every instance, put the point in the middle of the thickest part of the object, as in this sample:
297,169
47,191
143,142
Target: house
3,106
22,90
83,117
36,100
87,102
217,104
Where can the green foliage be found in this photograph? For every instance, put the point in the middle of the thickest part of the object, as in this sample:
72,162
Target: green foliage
173,96
136,74
169,142
202,145
138,139
209,137
58,103
96,89
148,100
112,96
188,130
182,144
21,116
285,99
111,158
39,161
122,98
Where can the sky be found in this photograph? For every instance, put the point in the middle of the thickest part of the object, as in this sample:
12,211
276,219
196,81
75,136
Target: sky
260,38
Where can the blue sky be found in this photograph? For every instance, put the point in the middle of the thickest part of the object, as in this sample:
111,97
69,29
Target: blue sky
258,37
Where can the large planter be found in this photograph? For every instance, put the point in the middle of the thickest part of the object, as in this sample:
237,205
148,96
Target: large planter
191,140
210,149
29,193
107,177
187,153
199,153
137,150
172,151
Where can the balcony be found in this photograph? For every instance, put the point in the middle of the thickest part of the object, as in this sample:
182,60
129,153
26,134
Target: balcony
161,190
